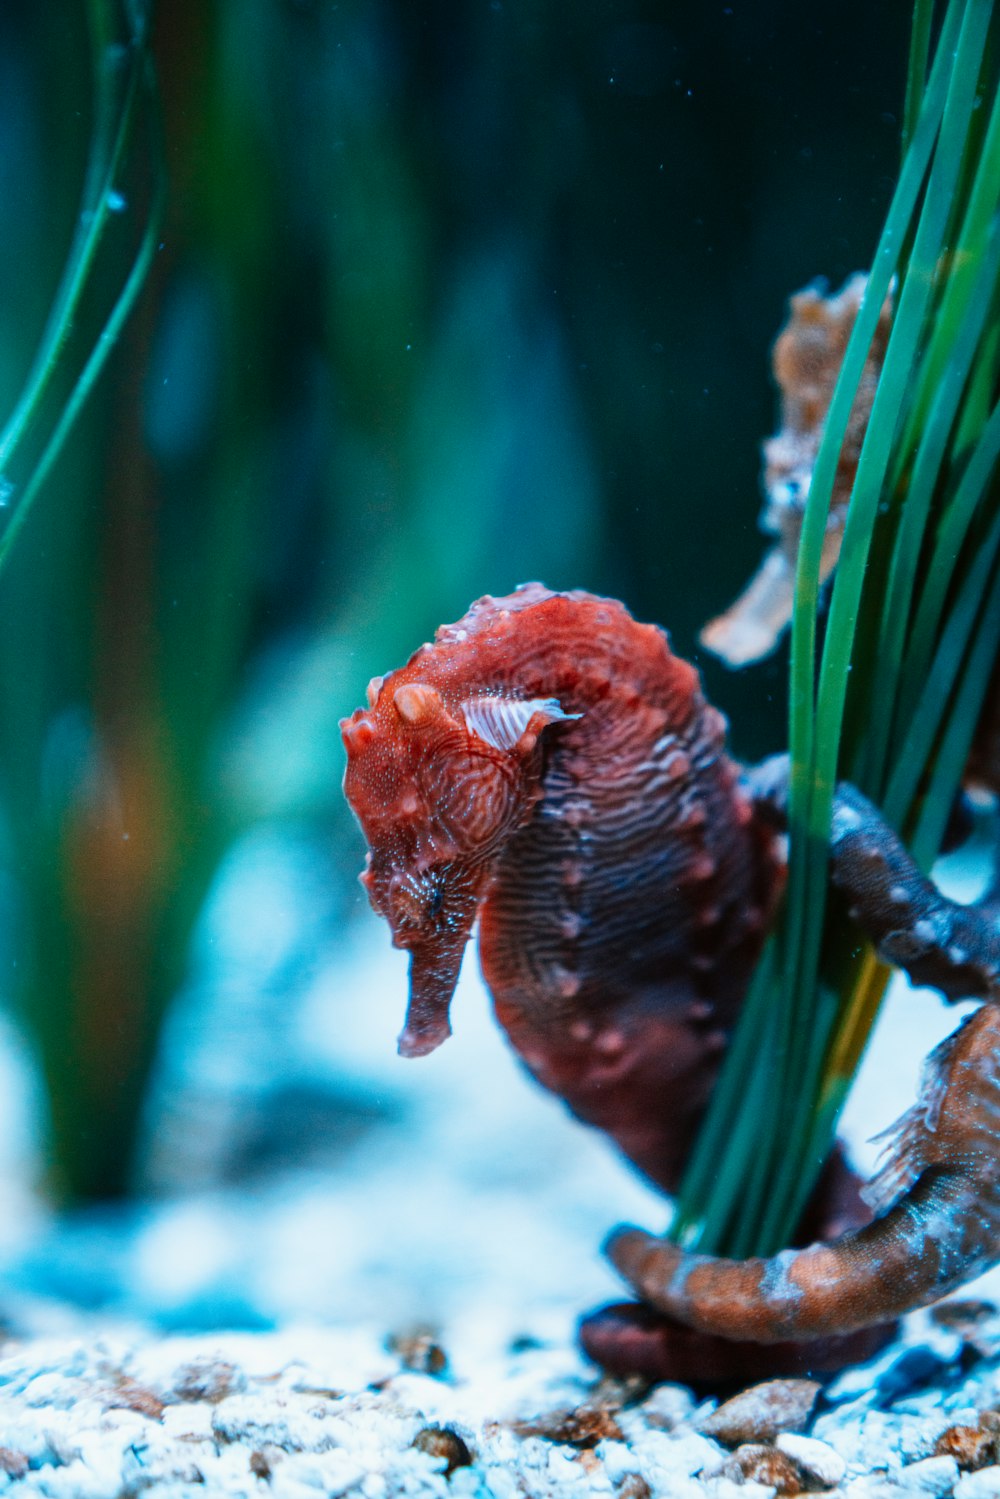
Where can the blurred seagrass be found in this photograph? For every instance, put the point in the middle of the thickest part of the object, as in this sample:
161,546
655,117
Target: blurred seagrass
322,429
108,260
890,695
445,297
124,87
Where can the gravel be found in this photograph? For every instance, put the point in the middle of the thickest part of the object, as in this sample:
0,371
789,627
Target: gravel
104,1412
391,1312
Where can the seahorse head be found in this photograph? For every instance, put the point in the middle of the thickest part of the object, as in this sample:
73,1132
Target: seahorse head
438,787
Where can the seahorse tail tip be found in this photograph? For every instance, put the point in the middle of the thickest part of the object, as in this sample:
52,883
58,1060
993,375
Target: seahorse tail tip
642,1259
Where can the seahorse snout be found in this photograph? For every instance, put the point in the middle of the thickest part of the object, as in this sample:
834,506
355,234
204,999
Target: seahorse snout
433,977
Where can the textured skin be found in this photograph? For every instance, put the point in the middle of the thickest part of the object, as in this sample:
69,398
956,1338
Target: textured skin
549,765
622,884
937,1195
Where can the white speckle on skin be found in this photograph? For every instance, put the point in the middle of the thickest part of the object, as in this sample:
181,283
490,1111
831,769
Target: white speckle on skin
776,1284
845,821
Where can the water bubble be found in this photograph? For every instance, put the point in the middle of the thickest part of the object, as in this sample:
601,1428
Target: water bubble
116,201
6,492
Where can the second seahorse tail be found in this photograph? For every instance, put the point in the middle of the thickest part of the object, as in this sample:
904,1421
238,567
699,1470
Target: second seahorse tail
937,941
938,1235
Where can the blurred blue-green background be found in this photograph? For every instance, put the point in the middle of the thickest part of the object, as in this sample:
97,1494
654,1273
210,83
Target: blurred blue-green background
449,294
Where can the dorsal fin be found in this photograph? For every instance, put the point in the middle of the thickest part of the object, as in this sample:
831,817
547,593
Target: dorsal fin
502,720
904,1153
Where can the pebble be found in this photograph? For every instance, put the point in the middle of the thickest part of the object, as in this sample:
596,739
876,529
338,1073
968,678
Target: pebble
311,1412
667,1406
445,1444
208,1379
931,1475
972,1447
764,1464
982,1485
761,1412
817,1460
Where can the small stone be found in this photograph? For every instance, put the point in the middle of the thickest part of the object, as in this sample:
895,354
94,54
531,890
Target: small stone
561,1467
683,1454
618,1460
210,1379
14,1464
760,1413
931,1475
633,1486
817,1460
577,1426
419,1351
970,1446
260,1465
982,1485
667,1406
128,1395
758,1463
442,1442
729,1488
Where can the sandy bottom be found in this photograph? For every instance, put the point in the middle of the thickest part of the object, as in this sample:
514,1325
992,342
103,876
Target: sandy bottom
259,1336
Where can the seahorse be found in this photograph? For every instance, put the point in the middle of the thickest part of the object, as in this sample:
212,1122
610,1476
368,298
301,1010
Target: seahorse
549,765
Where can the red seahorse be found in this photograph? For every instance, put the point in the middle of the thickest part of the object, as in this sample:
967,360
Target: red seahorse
549,765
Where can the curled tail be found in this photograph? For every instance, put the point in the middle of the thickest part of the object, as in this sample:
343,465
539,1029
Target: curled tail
941,1191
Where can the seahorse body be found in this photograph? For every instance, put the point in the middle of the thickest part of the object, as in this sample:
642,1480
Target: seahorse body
549,764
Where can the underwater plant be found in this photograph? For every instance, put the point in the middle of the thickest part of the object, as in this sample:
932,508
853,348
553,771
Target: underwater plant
888,683
77,873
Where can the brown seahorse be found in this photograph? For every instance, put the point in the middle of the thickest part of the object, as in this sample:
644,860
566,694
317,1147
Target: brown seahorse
549,765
